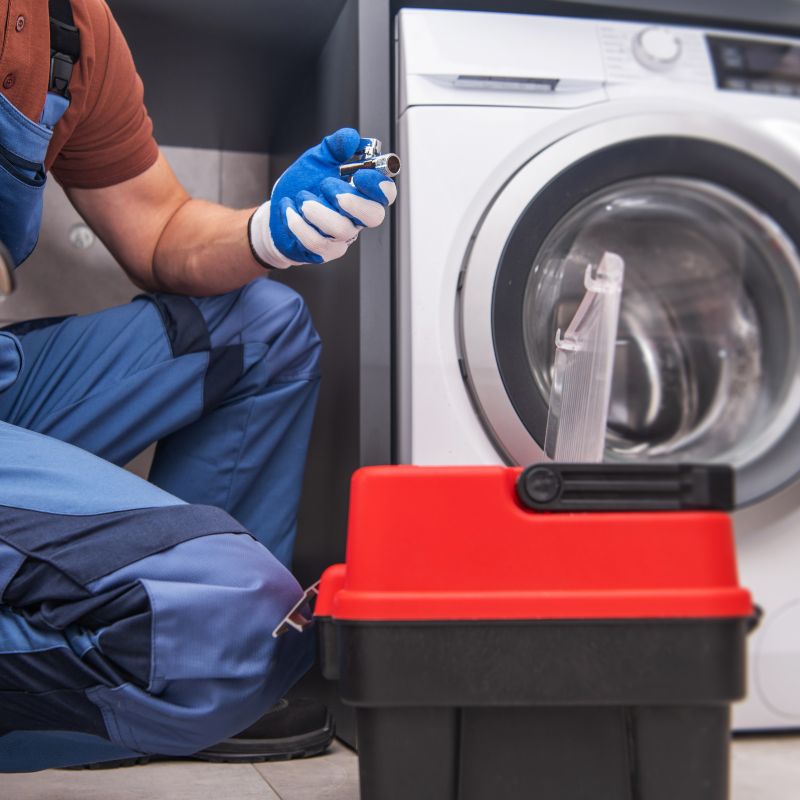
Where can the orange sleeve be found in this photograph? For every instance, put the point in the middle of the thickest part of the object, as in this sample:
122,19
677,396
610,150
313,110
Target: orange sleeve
112,138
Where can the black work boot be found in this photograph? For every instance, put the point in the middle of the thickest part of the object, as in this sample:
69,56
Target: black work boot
296,728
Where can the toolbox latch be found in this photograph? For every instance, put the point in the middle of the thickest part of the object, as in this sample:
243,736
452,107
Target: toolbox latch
627,487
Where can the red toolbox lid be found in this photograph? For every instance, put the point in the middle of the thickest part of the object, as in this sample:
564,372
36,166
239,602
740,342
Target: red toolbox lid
455,543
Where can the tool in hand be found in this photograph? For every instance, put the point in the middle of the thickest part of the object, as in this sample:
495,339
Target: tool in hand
369,157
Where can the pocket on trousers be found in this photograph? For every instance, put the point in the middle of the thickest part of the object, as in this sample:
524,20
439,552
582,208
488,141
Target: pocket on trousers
28,172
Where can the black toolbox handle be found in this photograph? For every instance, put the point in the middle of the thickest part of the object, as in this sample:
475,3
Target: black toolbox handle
627,487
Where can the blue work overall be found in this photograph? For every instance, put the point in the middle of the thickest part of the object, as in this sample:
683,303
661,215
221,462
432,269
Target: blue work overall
136,617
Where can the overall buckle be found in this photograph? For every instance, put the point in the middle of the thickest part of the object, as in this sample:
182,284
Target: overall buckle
64,52
61,67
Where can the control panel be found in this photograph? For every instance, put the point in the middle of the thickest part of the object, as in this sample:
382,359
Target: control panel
740,63
632,53
754,65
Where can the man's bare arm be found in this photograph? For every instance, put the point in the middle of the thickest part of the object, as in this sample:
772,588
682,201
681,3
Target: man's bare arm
167,241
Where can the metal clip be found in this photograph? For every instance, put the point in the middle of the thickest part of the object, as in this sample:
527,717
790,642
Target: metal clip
295,619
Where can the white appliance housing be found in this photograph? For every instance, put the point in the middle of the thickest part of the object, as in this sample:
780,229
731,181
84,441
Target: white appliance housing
499,112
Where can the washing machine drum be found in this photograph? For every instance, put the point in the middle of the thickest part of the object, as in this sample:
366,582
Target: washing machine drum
707,357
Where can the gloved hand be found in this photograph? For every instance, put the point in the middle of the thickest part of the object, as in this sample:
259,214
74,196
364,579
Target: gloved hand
313,215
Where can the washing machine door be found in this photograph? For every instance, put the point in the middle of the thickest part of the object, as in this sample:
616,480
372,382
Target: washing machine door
707,358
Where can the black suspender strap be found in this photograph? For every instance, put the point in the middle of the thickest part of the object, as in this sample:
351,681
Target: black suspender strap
65,46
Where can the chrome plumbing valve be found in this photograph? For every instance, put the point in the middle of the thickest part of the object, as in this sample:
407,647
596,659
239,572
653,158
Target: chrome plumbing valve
369,156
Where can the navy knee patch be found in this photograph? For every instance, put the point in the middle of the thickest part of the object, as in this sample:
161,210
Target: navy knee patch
188,332
264,321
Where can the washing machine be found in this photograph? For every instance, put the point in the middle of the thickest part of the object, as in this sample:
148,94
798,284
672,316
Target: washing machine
532,147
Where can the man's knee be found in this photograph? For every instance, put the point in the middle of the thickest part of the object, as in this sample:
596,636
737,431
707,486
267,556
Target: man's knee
215,666
233,669
272,314
228,592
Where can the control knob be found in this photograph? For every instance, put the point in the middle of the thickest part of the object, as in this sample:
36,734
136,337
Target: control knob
657,49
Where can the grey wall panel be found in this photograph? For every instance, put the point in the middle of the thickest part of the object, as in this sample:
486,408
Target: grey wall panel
327,100
221,75
201,89
350,299
375,277
299,27
200,171
244,179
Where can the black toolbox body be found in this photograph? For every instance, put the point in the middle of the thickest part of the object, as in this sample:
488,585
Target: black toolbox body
547,707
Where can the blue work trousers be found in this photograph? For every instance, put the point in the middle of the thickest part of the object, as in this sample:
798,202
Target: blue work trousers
136,617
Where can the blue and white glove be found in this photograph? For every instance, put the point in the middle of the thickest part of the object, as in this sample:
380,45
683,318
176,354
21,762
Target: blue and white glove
313,215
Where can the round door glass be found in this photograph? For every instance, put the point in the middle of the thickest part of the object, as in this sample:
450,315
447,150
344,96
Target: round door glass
707,356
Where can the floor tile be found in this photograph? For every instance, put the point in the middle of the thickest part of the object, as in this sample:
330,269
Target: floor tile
766,768
176,780
333,776
763,768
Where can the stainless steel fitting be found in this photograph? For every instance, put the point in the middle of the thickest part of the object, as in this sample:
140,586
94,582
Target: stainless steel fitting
369,157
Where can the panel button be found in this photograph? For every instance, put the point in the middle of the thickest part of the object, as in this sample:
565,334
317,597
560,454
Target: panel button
762,87
732,57
736,84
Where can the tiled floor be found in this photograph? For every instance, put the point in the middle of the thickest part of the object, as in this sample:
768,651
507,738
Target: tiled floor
763,769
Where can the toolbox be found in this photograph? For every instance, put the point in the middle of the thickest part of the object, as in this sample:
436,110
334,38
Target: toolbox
567,632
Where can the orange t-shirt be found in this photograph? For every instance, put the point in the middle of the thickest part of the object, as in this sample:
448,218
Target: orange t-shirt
106,135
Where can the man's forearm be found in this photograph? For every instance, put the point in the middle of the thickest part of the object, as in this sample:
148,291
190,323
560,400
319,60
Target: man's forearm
204,250
167,241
